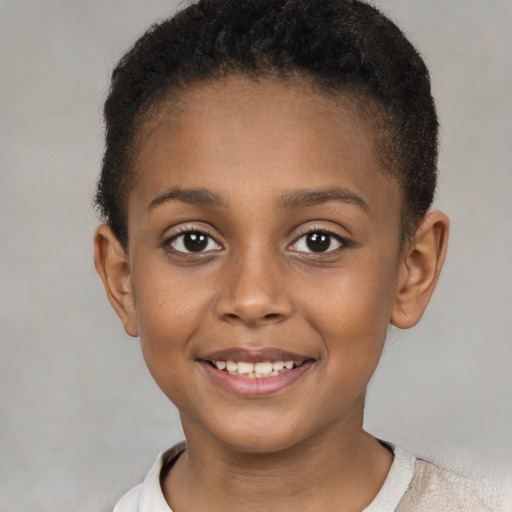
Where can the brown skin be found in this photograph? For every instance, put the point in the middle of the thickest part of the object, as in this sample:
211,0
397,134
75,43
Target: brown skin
257,284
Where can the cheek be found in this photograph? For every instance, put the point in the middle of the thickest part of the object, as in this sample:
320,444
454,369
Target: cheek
352,306
169,311
169,307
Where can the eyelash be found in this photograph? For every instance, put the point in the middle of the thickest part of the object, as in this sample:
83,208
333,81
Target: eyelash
189,230
316,230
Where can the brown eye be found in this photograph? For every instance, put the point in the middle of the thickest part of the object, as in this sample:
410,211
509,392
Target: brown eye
193,241
317,241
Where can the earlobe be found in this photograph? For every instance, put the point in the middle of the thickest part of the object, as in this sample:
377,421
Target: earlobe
113,267
420,267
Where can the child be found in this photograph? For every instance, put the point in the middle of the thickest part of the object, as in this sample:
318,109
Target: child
266,186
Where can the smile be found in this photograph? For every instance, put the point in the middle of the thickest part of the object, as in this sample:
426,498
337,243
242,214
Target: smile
256,373
257,370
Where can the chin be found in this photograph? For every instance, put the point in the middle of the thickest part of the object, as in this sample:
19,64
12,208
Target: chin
263,438
258,444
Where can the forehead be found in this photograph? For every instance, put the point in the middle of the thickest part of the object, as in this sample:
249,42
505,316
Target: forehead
260,103
276,134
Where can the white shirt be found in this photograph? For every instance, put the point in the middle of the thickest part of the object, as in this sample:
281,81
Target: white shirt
412,485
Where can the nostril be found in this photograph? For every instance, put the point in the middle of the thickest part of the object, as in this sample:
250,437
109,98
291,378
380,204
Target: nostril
252,308
272,316
252,320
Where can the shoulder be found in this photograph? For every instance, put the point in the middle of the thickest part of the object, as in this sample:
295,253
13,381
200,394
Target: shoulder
148,496
433,488
130,501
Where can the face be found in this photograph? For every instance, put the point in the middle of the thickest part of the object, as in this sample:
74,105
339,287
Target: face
263,256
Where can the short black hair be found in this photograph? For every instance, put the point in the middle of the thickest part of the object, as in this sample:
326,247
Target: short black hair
341,46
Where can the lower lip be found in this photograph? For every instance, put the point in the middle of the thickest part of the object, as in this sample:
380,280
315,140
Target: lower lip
258,386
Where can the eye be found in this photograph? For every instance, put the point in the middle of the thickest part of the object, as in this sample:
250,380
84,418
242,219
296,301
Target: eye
193,241
318,242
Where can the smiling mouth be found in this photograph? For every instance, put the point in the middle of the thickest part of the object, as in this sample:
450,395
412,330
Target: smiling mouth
256,373
258,370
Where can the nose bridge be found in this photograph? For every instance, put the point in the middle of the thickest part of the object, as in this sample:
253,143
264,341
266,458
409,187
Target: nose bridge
255,291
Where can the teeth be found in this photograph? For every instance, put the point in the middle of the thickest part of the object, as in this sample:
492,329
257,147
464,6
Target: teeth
231,366
263,368
245,367
255,370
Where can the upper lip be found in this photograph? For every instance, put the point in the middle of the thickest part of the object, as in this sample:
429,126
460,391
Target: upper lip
254,355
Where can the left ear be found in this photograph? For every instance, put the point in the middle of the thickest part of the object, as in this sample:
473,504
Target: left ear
421,263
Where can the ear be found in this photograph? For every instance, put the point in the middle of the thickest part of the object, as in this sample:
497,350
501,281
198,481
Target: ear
113,267
420,266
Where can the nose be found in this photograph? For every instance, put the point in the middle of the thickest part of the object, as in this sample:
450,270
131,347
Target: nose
254,292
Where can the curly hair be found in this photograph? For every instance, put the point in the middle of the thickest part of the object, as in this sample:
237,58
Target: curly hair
341,46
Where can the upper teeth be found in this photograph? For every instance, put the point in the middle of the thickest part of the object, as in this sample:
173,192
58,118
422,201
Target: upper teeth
260,369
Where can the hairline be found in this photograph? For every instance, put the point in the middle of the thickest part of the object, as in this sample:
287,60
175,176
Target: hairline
167,102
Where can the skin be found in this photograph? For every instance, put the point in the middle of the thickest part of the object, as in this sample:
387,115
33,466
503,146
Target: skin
257,148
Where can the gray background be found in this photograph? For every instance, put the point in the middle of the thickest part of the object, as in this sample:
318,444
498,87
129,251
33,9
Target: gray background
81,420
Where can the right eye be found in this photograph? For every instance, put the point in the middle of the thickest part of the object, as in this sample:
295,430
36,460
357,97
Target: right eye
318,242
193,242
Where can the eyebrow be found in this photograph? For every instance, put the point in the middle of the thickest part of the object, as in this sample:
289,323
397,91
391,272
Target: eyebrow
306,198
293,201
194,196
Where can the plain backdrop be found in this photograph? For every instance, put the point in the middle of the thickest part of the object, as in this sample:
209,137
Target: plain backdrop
81,420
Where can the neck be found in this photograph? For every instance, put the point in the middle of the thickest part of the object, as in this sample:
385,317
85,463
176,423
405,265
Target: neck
345,470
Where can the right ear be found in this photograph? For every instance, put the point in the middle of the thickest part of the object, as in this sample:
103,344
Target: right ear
112,265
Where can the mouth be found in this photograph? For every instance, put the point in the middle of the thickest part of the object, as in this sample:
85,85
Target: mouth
256,373
258,370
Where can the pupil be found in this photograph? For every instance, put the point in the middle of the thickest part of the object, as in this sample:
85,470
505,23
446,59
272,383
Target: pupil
318,242
195,241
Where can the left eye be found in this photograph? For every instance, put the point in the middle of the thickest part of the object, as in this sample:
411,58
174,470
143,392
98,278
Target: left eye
317,241
194,241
